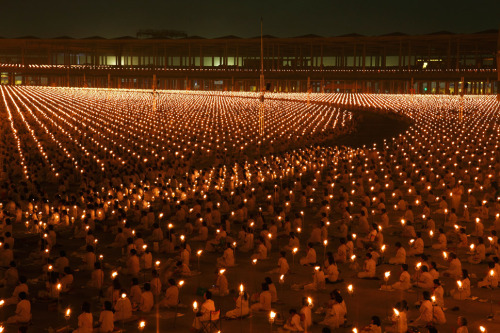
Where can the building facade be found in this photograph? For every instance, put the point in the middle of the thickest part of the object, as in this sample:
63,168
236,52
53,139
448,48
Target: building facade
440,63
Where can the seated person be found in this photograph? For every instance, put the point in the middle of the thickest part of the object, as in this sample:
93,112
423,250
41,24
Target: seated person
265,299
23,311
369,267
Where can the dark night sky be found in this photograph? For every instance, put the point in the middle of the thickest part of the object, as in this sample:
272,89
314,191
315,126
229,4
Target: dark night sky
282,18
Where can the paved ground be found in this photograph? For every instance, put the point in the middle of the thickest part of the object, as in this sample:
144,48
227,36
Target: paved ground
368,300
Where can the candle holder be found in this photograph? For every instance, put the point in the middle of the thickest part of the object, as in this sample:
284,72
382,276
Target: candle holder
272,316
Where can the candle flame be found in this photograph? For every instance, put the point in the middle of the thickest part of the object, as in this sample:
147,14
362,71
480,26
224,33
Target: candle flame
272,315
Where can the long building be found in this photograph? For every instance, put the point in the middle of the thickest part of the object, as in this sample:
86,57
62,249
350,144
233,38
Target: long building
439,63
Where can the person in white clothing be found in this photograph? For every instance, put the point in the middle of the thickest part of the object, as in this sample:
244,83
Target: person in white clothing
438,293
400,257
261,253
227,259
205,311
442,242
398,320
425,279
462,291
331,270
310,258
106,322
265,300
319,281
23,311
335,314
306,314
462,325
455,268
221,286
242,309
491,278
425,309
123,307
417,246
293,323
369,268
404,282
85,320
147,299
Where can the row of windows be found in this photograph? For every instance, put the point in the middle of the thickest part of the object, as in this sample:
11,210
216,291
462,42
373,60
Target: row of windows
253,62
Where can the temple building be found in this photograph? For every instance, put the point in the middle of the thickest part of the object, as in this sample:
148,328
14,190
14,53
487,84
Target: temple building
437,63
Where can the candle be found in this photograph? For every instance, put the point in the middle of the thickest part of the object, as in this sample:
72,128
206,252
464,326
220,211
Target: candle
272,315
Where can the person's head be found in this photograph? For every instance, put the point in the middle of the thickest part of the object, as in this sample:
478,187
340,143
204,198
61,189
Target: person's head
292,312
171,282
22,295
426,295
108,306
147,286
86,307
265,286
461,321
135,281
376,320
424,268
398,244
337,297
268,280
208,295
436,282
404,267
465,274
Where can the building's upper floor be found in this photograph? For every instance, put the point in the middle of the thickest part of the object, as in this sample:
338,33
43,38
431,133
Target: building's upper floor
438,51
